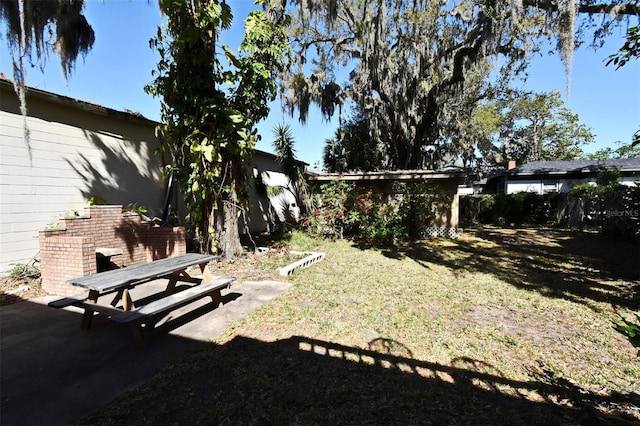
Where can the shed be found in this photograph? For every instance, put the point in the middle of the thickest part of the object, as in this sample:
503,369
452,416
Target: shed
447,181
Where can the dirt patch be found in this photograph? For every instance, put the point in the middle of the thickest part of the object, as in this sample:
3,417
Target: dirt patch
14,290
514,323
259,266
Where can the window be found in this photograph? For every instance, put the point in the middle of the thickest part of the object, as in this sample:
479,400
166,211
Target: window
549,186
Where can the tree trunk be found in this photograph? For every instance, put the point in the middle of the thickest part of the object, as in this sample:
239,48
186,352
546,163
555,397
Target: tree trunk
227,215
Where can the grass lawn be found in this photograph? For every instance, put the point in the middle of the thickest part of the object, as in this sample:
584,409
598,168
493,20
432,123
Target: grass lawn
497,327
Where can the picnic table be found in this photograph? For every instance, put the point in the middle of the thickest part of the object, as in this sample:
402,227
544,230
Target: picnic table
122,308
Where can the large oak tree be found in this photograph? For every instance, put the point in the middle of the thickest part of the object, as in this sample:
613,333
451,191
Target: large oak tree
408,64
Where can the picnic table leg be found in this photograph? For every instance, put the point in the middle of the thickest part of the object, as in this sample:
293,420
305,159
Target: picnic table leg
127,303
88,312
171,286
175,277
124,296
217,298
117,297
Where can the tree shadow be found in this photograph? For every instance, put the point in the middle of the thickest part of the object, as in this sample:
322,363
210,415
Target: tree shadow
130,174
300,380
159,242
582,267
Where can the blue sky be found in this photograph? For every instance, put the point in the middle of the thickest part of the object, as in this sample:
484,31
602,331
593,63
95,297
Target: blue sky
115,72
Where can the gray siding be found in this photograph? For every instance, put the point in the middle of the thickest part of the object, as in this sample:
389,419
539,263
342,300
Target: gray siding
74,151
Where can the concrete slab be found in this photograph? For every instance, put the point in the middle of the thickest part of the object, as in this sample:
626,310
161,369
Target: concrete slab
52,372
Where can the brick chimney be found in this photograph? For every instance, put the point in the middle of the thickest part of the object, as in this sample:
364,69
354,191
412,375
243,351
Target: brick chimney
511,165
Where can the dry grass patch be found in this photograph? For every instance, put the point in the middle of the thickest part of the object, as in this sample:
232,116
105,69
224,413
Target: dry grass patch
497,327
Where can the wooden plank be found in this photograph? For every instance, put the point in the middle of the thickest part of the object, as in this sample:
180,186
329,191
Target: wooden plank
103,309
173,300
68,301
107,281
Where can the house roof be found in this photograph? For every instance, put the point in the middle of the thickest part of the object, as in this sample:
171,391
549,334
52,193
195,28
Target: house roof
389,175
629,165
7,83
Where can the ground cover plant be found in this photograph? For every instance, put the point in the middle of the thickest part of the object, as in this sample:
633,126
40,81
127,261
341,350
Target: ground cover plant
21,282
497,327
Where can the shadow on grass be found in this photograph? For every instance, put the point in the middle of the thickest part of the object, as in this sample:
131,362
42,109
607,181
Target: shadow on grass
299,380
582,267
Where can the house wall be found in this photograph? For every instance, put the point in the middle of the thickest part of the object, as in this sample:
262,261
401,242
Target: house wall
74,150
562,185
266,209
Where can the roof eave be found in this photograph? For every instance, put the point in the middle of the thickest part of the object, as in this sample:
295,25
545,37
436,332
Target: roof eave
382,176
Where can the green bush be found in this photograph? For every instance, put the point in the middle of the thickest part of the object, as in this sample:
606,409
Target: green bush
24,270
631,329
613,208
518,209
326,218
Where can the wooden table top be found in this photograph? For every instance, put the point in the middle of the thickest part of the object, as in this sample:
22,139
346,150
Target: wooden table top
104,282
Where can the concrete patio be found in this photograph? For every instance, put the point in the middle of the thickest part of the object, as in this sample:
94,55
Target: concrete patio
53,372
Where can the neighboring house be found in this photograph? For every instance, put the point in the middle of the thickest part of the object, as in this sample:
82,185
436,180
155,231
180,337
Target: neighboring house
542,177
448,180
74,150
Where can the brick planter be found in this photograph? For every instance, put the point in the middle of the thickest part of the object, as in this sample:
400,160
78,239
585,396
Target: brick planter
71,249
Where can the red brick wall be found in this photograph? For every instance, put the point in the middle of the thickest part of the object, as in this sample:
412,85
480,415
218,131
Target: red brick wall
69,250
162,242
63,257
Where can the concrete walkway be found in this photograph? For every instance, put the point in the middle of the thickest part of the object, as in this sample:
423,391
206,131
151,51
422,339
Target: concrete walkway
52,372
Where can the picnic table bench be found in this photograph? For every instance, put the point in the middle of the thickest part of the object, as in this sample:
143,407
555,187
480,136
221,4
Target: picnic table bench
141,315
120,281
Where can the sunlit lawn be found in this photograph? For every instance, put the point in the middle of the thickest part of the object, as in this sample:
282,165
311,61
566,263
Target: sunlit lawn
497,327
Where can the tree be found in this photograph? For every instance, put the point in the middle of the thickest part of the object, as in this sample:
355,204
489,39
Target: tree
536,127
407,64
623,151
334,158
629,50
353,148
291,166
209,111
52,26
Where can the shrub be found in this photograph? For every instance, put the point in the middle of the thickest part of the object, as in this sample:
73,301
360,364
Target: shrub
614,208
372,216
326,217
631,329
522,208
